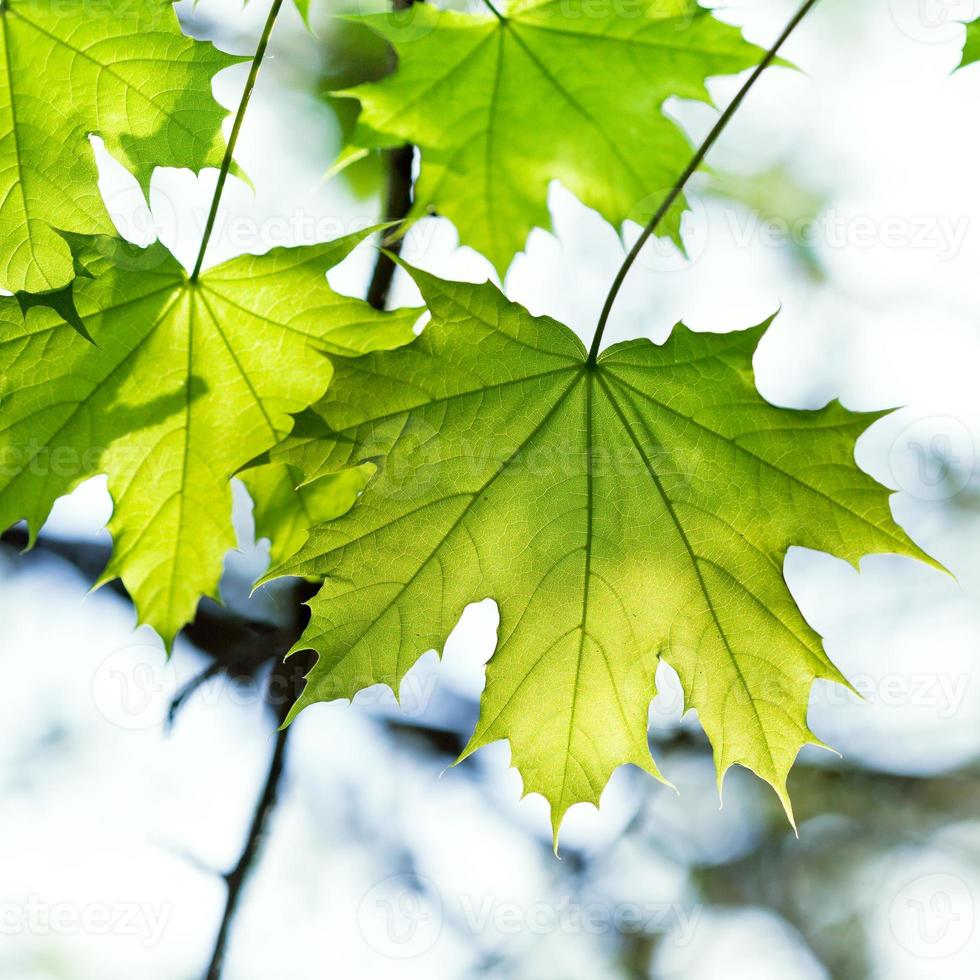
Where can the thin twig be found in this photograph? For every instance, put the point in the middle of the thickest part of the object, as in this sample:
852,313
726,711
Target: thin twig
284,685
696,161
188,690
237,878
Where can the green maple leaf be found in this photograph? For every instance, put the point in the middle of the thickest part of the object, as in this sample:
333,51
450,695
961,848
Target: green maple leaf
183,384
971,46
618,514
555,91
303,6
285,507
117,69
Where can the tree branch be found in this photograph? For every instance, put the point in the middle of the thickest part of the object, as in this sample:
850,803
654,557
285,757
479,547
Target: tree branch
398,163
284,685
236,879
398,202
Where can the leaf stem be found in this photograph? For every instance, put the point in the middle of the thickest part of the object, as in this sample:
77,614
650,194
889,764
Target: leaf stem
495,12
689,171
235,131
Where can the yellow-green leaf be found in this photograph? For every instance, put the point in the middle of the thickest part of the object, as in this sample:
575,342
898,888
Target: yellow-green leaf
621,513
182,385
284,508
116,69
553,91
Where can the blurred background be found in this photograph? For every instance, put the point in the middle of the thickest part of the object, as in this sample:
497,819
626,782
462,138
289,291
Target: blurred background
844,194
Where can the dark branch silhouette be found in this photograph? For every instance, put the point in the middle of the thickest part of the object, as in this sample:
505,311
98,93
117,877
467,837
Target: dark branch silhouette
284,685
398,202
